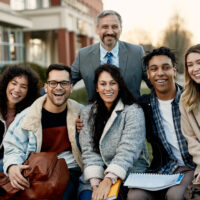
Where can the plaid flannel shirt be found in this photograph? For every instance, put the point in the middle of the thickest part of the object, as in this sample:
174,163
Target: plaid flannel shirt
159,131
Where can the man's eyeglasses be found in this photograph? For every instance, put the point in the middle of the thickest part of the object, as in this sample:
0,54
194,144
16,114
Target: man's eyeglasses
63,84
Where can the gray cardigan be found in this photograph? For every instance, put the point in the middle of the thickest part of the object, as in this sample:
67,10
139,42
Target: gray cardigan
122,144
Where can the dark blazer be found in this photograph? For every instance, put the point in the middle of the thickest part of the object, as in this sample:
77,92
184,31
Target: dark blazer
130,64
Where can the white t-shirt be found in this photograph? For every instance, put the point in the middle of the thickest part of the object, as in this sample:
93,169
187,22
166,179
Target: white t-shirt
165,108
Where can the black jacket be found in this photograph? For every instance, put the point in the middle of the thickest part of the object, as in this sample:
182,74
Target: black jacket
159,153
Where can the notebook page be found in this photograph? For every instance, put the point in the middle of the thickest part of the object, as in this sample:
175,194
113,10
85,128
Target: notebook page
152,182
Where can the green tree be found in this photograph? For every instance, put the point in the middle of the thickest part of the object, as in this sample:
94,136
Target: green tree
177,38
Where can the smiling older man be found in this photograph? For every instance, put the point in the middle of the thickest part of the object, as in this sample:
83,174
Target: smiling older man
111,50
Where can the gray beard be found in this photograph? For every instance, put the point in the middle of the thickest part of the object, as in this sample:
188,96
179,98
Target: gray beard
111,44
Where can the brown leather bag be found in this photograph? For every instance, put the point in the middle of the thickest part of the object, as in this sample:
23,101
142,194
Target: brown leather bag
48,178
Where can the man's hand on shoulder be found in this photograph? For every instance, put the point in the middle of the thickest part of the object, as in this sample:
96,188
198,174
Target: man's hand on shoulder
79,124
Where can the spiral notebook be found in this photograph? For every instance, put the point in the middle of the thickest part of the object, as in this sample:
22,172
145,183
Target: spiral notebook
152,182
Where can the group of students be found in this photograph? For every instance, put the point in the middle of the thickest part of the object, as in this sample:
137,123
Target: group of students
111,143
116,123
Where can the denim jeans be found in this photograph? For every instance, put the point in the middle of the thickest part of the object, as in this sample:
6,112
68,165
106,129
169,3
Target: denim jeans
87,194
72,186
1,165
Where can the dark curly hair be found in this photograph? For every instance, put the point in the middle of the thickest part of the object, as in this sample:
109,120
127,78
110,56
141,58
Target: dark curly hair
161,51
99,113
59,67
33,87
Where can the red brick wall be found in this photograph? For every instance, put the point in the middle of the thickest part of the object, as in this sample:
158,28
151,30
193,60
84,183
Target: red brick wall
91,40
72,41
64,47
55,2
5,1
85,41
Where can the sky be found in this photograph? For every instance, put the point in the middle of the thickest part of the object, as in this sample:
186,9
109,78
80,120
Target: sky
147,19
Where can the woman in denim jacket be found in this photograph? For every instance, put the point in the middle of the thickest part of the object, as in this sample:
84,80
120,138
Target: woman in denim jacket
19,87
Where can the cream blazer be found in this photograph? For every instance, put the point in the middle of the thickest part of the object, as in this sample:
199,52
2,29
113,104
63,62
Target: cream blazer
190,126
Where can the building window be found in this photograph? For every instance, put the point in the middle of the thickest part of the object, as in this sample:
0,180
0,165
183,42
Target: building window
37,49
29,4
11,46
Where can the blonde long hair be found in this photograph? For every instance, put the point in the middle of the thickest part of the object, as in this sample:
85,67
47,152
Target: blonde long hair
191,92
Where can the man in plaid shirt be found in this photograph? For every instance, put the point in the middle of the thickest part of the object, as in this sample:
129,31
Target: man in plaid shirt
161,106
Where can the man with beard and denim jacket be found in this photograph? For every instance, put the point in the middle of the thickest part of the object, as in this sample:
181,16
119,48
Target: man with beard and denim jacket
126,56
163,129
48,125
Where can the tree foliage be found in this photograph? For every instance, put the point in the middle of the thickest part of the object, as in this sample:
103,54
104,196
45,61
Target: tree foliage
178,39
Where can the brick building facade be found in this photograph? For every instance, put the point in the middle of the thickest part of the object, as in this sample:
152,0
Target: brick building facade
49,31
